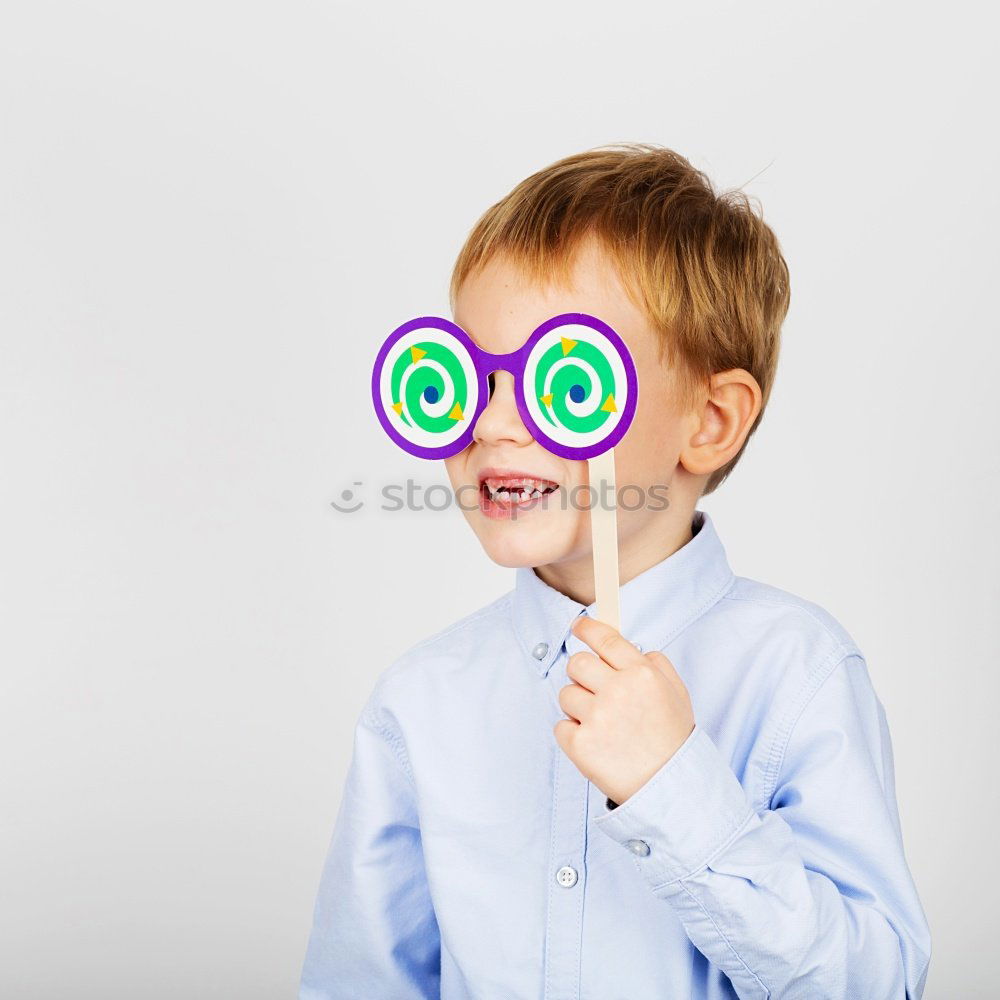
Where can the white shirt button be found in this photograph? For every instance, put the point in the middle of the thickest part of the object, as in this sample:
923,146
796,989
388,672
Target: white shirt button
639,847
566,876
540,651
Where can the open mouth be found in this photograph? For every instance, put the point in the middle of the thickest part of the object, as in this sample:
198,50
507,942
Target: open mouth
503,496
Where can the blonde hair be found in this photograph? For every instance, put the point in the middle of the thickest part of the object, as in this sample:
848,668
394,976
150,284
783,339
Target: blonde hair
703,266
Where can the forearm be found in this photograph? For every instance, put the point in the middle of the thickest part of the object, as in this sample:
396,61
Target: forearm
750,901
778,929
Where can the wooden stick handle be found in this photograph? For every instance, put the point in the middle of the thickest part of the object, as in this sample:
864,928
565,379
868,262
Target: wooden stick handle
604,533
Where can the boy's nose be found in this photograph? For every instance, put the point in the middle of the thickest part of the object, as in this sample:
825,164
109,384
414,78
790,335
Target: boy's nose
500,421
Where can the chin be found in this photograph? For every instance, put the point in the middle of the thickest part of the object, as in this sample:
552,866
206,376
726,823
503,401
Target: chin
513,549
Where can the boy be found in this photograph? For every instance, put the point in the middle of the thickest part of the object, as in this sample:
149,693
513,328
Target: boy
702,805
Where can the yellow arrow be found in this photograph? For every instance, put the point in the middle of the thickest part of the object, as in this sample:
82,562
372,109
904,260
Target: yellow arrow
456,412
547,400
567,345
416,353
609,404
398,407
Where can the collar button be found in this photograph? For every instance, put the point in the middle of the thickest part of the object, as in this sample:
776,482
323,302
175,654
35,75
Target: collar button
540,651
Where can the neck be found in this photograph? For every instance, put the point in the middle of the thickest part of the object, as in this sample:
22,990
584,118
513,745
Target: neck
637,552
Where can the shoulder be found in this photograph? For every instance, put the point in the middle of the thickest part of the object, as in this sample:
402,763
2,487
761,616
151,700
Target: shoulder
434,663
786,615
808,674
786,646
455,641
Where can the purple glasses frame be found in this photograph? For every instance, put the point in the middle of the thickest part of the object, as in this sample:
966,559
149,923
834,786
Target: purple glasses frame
486,364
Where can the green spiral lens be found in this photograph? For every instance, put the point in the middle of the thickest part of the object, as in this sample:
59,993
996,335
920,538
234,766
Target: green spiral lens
429,389
575,386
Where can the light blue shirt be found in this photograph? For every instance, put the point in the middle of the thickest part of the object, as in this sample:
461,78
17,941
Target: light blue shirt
471,859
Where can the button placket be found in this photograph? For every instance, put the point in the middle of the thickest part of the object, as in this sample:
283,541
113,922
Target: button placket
566,868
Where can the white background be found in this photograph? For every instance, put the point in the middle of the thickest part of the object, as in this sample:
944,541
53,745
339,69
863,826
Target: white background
211,214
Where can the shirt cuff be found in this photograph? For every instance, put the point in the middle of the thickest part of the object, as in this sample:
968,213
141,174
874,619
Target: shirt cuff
684,814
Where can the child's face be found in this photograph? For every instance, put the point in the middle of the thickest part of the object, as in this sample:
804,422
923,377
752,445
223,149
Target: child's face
498,308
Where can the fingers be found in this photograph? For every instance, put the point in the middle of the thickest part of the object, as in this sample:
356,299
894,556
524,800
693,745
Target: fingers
608,643
565,733
588,670
665,666
576,701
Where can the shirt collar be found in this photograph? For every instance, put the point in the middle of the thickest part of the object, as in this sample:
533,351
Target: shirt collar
655,606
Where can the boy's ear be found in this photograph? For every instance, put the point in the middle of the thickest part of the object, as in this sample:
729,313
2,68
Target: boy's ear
721,421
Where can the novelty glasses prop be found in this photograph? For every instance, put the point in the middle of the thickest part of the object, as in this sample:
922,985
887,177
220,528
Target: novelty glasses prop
576,390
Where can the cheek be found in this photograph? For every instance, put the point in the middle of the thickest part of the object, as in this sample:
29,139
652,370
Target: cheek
455,467
577,475
649,452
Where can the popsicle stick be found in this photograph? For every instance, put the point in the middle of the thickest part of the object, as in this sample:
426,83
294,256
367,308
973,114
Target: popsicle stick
604,534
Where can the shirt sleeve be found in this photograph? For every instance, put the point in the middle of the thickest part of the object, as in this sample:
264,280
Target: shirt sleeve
374,931
811,897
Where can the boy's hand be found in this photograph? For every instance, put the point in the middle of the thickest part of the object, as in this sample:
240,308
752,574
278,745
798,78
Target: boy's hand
629,711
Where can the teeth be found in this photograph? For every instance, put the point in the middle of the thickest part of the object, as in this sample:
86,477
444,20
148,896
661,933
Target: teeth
518,492
516,495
